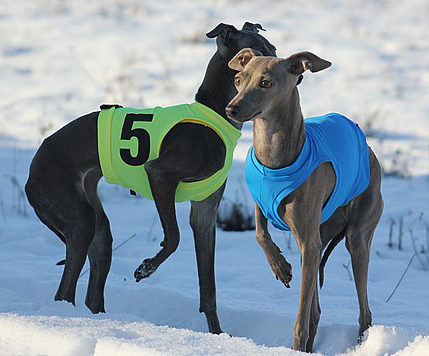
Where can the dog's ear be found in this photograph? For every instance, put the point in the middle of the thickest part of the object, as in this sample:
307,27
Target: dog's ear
254,27
224,31
242,58
298,63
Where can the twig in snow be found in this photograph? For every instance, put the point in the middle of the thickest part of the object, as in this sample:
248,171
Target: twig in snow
288,240
401,224
400,280
347,267
392,223
122,243
427,237
245,198
424,267
234,215
417,218
151,228
21,201
2,208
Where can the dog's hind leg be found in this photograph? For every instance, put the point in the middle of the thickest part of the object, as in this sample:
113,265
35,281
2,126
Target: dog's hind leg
358,244
62,205
163,185
364,212
78,232
203,220
100,250
100,257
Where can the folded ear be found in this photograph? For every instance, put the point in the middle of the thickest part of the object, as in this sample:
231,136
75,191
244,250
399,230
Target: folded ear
224,31
254,27
299,62
242,58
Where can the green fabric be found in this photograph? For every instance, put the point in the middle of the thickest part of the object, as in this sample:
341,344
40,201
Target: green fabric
116,171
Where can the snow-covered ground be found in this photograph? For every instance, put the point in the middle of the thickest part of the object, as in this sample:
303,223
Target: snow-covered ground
60,59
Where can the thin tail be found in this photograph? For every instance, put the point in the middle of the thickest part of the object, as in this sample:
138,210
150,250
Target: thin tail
334,242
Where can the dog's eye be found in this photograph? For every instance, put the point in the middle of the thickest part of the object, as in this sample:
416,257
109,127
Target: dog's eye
237,81
265,84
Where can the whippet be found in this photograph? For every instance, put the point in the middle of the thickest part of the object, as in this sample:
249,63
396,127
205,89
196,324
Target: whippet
283,144
64,175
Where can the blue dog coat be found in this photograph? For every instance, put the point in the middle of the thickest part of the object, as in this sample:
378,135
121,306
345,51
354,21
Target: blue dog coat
329,138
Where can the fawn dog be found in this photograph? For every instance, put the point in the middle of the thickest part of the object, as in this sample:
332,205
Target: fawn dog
300,185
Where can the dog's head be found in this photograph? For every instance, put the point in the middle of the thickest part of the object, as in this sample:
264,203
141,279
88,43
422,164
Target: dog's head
265,83
229,40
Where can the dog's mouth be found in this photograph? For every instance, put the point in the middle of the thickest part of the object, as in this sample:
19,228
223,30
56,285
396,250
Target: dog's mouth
245,118
256,115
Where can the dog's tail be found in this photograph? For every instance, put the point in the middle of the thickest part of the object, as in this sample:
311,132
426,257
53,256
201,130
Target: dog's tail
334,242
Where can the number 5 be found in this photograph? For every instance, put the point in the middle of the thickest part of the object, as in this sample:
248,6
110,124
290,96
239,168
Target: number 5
142,136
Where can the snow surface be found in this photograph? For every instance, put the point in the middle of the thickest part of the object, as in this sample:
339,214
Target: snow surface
61,59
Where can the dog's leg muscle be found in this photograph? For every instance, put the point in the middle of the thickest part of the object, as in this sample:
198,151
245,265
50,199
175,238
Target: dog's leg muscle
203,220
281,268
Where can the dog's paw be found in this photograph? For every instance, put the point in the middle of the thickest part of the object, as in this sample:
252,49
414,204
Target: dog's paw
144,270
282,271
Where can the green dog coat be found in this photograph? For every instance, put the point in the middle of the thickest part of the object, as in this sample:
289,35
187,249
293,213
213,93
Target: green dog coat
128,138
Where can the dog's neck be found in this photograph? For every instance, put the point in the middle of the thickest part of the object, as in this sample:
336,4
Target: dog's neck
278,138
217,88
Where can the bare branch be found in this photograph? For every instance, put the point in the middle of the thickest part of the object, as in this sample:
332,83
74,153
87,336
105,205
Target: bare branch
400,280
416,252
122,243
347,267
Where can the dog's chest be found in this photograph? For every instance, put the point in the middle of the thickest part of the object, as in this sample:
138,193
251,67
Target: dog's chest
329,138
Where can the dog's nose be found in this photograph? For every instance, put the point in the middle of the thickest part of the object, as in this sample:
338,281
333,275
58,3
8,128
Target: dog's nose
232,110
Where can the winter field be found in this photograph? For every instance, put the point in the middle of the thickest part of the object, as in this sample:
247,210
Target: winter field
60,59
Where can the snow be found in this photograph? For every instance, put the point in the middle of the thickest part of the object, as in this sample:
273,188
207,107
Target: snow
61,59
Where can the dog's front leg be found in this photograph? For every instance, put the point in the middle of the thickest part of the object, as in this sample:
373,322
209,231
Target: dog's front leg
163,184
203,220
281,268
309,244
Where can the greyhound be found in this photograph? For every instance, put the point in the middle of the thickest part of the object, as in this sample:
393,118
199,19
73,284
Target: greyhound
268,95
64,175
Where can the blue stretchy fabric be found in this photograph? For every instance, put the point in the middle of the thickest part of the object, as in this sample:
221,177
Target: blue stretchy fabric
328,138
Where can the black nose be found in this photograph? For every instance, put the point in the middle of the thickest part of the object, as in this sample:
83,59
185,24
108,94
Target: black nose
232,110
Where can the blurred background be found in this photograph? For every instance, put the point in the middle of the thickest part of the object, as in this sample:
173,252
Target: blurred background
60,59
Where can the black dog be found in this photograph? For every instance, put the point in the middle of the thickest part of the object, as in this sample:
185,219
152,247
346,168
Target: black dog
64,174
